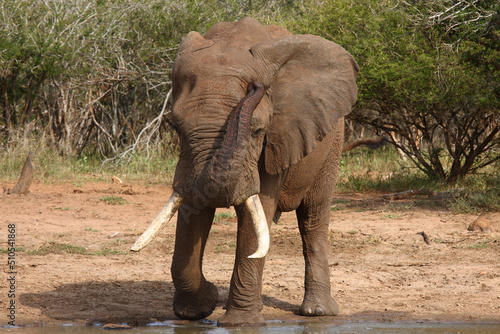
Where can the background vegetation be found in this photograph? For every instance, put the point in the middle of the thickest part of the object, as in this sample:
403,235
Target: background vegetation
84,83
429,78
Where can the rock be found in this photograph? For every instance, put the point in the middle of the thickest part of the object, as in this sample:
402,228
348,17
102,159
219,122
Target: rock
480,224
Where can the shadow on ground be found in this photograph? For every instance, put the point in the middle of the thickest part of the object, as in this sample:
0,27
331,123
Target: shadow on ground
132,302
135,303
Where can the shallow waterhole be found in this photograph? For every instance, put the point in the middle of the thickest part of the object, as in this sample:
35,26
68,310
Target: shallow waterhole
277,327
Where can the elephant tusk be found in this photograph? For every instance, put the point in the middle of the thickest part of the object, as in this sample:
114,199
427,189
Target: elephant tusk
260,225
173,204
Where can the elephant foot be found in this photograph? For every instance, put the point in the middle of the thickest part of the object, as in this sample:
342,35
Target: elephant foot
197,306
319,305
237,318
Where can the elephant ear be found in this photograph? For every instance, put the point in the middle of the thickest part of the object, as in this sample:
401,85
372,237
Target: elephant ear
312,84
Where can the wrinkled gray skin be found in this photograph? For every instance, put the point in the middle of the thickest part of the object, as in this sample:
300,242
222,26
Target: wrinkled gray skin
283,143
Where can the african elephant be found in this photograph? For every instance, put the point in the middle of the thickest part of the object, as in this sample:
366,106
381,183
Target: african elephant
259,113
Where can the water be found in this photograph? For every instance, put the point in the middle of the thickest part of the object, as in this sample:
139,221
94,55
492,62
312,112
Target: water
206,327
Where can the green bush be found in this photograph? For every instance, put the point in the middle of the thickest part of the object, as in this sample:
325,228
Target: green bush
429,78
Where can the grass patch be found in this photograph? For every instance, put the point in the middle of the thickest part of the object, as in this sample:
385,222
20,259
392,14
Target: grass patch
113,200
223,217
107,251
391,216
6,250
57,248
51,167
62,208
53,247
382,170
480,245
482,194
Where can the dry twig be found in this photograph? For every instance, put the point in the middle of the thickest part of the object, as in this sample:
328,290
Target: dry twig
430,194
426,237
144,137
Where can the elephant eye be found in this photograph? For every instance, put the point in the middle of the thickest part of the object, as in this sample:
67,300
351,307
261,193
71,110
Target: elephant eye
175,127
257,132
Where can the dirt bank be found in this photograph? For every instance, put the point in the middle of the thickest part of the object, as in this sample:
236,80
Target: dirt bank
73,265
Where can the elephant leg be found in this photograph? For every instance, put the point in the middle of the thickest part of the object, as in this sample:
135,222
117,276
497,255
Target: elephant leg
244,302
313,216
195,298
313,225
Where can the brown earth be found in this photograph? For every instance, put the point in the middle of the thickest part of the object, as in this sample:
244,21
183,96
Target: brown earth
73,264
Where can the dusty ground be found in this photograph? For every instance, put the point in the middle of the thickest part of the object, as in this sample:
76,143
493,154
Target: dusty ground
73,264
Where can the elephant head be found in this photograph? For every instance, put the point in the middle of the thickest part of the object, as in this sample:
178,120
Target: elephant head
249,99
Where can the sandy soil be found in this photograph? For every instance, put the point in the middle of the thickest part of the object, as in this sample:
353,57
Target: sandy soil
73,265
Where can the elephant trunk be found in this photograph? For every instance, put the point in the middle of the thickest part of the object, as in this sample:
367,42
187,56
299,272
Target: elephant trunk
220,179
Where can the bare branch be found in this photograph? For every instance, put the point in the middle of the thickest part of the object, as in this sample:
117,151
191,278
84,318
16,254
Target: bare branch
144,137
